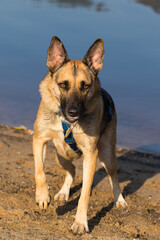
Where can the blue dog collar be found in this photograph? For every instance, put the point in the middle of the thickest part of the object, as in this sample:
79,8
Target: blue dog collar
68,135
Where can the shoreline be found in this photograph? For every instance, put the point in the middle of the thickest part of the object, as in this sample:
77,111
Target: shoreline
118,145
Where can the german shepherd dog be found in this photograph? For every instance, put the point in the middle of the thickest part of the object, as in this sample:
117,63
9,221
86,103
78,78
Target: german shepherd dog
80,118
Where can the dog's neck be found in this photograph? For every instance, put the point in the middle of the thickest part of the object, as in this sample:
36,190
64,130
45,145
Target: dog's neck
68,134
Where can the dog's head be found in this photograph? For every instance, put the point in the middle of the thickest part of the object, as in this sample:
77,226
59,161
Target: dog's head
75,82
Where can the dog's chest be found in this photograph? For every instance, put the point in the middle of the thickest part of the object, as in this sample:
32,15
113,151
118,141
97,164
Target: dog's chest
63,148
59,140
59,143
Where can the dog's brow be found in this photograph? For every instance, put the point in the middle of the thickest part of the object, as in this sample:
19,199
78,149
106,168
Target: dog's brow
90,74
56,77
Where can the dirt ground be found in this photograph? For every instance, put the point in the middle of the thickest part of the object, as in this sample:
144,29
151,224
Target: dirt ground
20,217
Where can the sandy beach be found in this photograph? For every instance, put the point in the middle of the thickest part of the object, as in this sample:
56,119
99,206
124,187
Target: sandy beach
20,217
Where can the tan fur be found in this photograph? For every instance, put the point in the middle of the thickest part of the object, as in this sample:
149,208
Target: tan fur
86,134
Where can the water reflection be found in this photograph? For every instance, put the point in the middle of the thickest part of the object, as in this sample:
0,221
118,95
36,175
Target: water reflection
131,65
154,4
101,6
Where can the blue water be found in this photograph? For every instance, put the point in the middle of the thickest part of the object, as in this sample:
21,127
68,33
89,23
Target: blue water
131,72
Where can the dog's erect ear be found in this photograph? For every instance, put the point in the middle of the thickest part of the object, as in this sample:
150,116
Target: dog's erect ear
94,56
56,55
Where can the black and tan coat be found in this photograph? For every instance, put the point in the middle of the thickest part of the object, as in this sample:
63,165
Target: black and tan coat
71,92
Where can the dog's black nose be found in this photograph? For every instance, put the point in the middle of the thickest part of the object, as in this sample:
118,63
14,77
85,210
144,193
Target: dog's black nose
73,112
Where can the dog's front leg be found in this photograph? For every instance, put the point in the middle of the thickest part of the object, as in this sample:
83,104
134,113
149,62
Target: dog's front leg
42,193
80,224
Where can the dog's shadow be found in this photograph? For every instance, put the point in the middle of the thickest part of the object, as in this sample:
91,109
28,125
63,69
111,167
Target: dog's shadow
134,168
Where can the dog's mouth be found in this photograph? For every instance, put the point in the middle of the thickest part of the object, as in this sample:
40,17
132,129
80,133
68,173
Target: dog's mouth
72,115
71,119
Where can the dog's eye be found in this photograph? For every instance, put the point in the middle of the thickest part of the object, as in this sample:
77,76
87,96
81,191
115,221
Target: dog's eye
64,85
85,86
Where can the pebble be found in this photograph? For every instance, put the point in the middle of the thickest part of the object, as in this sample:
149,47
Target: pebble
117,224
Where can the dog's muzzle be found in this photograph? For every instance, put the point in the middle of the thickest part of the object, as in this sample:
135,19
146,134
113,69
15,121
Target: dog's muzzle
73,114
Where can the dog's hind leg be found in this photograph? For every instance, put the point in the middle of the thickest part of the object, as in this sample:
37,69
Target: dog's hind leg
108,160
63,194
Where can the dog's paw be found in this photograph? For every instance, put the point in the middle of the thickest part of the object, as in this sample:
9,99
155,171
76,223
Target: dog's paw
79,228
42,197
121,202
61,196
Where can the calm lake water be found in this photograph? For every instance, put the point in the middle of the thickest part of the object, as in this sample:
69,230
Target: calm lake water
131,73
